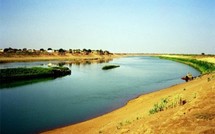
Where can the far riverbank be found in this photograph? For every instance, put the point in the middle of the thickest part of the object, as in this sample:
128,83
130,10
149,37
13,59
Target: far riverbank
80,58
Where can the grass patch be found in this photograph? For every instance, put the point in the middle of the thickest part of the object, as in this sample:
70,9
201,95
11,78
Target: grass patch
14,74
203,66
107,67
166,103
159,106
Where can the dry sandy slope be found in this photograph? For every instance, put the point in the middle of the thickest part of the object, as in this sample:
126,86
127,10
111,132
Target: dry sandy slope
17,58
197,115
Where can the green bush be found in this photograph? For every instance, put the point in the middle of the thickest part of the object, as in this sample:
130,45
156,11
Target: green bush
166,103
110,67
11,74
159,106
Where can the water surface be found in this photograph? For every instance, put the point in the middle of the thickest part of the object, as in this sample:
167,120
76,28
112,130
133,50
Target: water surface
88,92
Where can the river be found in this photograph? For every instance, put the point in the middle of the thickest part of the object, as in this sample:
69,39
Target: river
87,93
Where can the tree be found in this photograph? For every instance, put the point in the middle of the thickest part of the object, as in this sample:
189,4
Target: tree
61,51
78,51
24,49
106,52
101,52
70,51
85,51
10,50
6,50
49,50
42,50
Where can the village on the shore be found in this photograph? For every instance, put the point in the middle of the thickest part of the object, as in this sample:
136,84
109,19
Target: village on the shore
50,51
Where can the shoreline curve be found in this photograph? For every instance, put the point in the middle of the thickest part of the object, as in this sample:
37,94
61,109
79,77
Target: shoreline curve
136,112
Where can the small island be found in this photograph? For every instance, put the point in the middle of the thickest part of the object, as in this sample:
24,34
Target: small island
107,67
22,73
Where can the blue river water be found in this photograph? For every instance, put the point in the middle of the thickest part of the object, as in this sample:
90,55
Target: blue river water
87,93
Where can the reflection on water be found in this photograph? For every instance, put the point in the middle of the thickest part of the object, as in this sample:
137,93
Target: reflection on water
17,83
23,82
77,62
87,62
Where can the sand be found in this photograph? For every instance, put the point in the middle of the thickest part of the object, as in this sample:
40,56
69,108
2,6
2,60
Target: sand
197,115
69,57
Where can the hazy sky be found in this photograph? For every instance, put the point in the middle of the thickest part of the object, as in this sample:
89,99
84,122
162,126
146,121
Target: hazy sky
167,26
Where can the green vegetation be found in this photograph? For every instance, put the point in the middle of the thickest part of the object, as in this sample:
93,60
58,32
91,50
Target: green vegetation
14,74
110,67
159,106
203,66
123,123
167,103
10,52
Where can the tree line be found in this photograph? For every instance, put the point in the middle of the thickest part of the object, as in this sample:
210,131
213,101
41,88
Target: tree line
60,51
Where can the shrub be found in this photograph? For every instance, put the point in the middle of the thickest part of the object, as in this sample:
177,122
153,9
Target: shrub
10,74
166,103
159,106
110,67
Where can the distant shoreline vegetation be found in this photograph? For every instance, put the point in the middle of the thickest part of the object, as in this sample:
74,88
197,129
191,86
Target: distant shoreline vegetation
203,66
25,51
16,74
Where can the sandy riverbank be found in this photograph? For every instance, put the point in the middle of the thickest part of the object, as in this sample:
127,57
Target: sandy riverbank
69,57
195,116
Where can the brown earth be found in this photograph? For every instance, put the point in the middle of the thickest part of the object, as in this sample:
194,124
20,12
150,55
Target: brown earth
55,56
195,115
